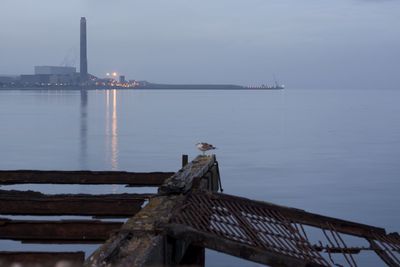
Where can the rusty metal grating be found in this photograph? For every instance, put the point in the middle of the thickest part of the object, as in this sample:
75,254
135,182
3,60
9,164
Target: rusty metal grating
284,231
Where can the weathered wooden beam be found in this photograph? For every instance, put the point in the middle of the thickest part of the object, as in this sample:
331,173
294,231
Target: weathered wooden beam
35,203
182,181
41,259
233,248
66,231
139,243
83,177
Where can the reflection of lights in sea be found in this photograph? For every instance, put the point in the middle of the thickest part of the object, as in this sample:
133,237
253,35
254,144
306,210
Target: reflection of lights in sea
111,136
111,124
114,132
114,139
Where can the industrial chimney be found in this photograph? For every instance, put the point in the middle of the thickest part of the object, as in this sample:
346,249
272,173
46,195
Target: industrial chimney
83,54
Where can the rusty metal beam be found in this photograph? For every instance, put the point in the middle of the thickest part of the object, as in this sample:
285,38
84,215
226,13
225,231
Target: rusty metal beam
308,218
259,227
242,226
35,203
41,259
383,254
350,250
233,248
66,231
83,177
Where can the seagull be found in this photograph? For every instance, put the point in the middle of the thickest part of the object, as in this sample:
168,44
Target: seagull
205,147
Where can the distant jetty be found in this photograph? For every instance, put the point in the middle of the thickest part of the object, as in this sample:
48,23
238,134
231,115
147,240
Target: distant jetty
208,87
190,86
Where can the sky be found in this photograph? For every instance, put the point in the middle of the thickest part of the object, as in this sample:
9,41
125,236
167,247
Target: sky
316,44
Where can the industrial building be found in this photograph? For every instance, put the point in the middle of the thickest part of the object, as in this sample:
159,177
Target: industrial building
7,79
47,79
55,70
51,75
122,79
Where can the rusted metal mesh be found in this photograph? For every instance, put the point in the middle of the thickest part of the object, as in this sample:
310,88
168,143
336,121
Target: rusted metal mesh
264,226
246,224
389,245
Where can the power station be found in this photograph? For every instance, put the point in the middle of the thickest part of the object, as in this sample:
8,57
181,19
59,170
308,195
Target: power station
83,52
61,75
65,77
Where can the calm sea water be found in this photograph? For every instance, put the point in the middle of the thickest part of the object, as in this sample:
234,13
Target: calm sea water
335,152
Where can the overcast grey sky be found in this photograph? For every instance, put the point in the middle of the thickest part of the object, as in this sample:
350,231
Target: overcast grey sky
306,43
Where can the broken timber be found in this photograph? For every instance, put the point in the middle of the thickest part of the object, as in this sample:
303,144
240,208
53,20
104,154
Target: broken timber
139,242
177,224
43,259
65,231
35,203
83,177
80,231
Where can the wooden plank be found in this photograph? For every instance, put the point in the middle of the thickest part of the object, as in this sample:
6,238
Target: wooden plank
181,181
65,231
139,243
35,203
41,259
83,177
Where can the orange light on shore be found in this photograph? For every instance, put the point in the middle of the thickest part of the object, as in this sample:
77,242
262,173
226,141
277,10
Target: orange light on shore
114,74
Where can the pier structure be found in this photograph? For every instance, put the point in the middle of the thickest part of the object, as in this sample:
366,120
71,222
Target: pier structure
174,226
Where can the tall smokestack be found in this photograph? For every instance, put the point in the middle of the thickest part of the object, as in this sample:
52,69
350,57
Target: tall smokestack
84,64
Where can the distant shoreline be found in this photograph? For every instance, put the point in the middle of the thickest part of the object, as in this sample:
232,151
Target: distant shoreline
158,87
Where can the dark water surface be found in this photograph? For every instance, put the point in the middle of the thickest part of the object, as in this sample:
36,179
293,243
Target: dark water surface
335,152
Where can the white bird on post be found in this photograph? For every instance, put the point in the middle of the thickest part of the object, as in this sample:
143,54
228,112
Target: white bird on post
203,147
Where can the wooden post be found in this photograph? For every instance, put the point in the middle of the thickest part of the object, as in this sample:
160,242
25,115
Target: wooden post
185,160
195,256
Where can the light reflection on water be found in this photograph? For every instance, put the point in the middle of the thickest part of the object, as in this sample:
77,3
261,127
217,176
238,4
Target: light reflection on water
114,132
111,128
111,133
83,128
